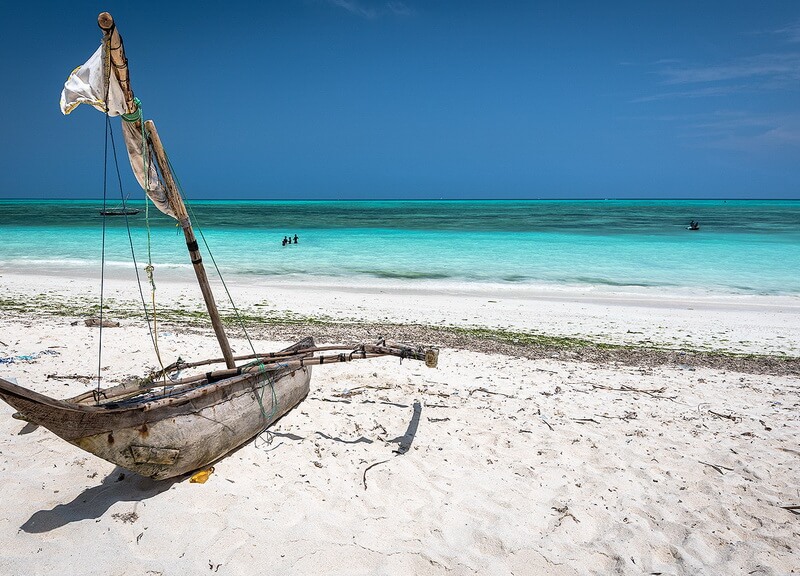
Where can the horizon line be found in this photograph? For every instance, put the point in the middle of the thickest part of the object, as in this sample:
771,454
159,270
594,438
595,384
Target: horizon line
570,199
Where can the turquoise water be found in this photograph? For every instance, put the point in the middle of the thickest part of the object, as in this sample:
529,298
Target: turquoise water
742,246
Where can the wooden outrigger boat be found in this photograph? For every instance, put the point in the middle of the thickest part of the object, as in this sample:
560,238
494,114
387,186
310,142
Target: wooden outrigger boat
120,211
164,426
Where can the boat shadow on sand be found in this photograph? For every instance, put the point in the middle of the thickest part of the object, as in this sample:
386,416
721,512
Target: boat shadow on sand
124,486
119,486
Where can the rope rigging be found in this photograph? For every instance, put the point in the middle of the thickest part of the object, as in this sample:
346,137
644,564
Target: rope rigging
152,328
266,376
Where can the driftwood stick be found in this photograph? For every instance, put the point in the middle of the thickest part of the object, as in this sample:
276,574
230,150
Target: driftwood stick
654,393
364,476
70,377
485,391
627,416
727,416
717,467
626,388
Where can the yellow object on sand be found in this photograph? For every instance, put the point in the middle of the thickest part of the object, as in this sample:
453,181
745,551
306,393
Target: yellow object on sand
201,476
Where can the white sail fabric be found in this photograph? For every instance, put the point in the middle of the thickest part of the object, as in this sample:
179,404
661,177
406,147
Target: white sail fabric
88,84
144,169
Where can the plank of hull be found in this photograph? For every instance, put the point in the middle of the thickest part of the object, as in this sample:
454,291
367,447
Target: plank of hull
172,446
172,439
172,435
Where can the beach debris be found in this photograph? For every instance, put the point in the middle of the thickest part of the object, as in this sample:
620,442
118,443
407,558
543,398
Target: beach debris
358,440
654,392
27,357
126,517
629,415
348,392
95,322
485,391
735,419
565,513
718,467
201,476
364,475
79,377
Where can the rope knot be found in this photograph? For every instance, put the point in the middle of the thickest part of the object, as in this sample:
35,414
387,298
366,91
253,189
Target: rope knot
136,114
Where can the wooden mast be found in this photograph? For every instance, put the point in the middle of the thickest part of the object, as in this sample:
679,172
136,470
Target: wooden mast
119,64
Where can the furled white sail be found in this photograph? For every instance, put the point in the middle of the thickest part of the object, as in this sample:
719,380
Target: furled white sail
93,84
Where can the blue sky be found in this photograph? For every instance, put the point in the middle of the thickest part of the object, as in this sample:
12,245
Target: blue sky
410,99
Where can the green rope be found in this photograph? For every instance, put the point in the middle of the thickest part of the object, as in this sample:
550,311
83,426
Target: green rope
260,397
149,269
136,115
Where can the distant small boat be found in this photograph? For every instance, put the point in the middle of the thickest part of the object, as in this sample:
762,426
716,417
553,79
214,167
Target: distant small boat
120,211
693,225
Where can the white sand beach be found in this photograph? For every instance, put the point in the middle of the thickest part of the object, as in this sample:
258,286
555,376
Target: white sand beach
488,464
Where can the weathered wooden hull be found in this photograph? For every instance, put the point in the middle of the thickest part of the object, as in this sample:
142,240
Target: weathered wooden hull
170,435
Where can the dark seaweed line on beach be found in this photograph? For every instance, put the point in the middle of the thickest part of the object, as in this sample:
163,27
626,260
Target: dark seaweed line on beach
290,326
535,347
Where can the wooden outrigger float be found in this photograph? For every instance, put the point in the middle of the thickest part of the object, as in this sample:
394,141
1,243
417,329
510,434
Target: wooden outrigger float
163,426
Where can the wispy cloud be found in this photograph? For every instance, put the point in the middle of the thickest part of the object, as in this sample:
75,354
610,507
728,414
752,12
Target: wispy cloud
778,69
773,66
402,9
371,11
742,131
702,92
756,90
761,73
790,32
